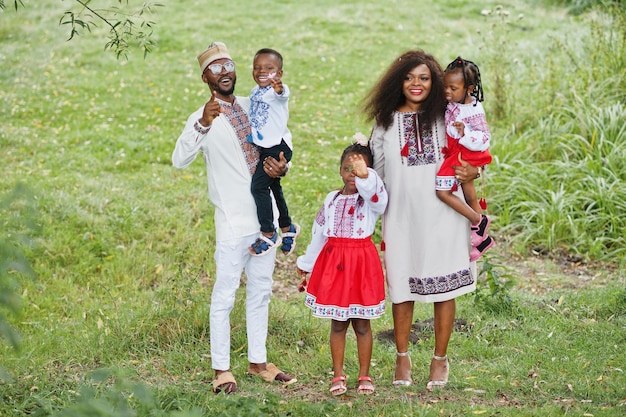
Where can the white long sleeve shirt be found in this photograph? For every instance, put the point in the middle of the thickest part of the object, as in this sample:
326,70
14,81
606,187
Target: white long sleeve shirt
346,216
476,132
228,170
269,113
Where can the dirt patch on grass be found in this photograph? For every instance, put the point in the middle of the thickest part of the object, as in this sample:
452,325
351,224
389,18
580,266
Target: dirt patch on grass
536,273
423,330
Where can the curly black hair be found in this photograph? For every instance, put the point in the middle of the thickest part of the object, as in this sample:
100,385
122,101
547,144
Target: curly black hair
386,96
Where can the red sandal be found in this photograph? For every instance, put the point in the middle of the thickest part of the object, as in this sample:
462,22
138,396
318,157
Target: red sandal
338,385
365,389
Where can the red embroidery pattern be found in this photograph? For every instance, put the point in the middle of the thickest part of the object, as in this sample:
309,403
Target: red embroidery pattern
452,113
320,219
418,149
477,122
238,119
344,221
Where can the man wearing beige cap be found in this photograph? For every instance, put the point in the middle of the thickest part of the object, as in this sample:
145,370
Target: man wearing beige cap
219,130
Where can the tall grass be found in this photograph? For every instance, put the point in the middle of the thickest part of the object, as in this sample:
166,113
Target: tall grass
577,7
559,178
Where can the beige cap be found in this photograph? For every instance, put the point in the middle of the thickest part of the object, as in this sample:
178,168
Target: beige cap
215,51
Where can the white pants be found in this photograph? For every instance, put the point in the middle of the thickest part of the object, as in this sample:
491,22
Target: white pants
231,258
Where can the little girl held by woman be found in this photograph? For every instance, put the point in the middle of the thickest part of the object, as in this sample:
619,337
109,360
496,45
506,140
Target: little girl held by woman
347,283
468,140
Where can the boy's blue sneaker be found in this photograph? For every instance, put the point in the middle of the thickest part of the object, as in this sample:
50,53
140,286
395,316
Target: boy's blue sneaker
263,244
289,239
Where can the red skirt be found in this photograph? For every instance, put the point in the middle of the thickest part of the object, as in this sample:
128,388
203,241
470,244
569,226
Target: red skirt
445,176
347,281
474,158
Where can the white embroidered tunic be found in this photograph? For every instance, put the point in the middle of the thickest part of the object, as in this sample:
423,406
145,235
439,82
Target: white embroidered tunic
426,242
476,132
230,162
346,216
269,114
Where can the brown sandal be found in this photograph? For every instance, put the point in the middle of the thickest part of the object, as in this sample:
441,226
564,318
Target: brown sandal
272,373
225,382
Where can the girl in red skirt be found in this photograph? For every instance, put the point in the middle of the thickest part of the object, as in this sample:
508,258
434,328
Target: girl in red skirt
468,141
347,283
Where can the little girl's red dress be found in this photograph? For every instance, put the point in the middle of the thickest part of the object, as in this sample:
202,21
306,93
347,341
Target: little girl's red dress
347,278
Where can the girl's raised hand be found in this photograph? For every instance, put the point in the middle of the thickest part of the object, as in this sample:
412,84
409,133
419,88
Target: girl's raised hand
359,167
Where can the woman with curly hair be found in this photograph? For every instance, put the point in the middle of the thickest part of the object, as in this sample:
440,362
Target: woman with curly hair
425,242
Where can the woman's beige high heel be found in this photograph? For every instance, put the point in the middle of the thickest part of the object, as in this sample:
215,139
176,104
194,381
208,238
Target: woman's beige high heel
442,382
404,382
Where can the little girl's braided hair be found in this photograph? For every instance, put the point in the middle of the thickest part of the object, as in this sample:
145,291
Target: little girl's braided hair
471,75
358,149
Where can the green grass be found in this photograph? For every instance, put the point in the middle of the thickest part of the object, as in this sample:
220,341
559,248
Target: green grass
124,255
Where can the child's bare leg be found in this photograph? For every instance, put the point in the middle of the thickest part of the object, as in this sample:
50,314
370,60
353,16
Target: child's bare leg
480,240
364,342
338,331
459,205
469,192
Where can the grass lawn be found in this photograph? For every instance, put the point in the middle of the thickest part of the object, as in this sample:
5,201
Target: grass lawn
124,255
